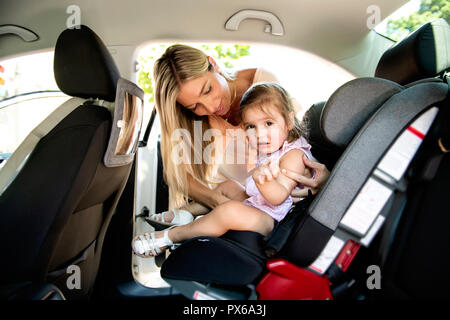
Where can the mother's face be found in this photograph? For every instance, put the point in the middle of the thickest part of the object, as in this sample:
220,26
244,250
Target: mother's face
208,94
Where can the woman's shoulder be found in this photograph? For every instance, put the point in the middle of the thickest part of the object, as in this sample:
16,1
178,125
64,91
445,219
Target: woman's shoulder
246,75
264,75
254,75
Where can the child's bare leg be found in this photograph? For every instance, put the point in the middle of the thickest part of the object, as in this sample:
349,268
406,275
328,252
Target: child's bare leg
231,215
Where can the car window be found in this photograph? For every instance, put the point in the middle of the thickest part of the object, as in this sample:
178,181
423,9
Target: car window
411,16
28,94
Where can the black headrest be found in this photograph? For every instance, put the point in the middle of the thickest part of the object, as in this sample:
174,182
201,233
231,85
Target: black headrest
423,54
351,105
83,66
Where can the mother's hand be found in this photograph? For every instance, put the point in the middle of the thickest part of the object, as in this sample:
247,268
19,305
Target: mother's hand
315,183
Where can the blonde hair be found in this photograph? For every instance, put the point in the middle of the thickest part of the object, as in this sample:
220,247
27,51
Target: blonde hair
130,119
264,94
178,64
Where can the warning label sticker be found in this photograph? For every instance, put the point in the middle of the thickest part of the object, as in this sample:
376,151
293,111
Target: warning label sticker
327,256
397,159
364,209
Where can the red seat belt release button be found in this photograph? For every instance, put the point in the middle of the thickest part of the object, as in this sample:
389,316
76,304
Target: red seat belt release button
347,254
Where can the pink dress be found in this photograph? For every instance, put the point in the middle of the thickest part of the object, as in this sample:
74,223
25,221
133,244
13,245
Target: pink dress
255,197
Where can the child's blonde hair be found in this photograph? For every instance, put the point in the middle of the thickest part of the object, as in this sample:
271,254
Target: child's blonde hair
264,94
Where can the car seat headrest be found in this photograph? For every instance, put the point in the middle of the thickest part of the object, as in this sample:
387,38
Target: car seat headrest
351,105
83,66
423,54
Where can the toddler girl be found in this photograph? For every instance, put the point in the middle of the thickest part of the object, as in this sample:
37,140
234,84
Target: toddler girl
273,130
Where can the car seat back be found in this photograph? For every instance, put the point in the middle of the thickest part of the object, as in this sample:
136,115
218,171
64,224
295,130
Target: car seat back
423,54
412,244
361,168
56,207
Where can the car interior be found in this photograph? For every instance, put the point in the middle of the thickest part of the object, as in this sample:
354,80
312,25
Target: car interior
81,184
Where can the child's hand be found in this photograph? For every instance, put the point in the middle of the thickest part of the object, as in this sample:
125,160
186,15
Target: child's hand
266,172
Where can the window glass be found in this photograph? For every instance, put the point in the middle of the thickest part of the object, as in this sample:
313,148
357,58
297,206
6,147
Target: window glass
30,73
411,16
28,94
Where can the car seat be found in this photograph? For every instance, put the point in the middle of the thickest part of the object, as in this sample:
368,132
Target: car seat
418,223
368,119
60,187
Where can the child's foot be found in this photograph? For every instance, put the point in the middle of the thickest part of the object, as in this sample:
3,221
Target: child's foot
174,217
151,244
166,216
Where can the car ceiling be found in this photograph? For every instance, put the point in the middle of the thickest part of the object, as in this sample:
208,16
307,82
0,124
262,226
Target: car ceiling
334,30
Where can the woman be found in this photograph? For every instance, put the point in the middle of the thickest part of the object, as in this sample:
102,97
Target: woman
190,86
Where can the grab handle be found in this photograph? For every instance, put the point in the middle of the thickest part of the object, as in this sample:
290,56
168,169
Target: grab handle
274,26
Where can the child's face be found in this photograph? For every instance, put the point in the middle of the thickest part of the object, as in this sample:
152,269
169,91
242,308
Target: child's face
266,131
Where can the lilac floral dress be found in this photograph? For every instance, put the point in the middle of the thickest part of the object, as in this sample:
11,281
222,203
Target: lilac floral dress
255,197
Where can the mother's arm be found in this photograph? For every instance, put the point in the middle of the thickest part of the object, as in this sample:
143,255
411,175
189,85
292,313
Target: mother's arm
204,195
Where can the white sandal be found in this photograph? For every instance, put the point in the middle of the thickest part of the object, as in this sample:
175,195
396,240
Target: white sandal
180,217
146,243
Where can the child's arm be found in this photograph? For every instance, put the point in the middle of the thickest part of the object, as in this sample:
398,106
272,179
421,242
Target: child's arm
278,189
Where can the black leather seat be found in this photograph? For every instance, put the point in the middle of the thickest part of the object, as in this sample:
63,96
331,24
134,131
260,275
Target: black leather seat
55,213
